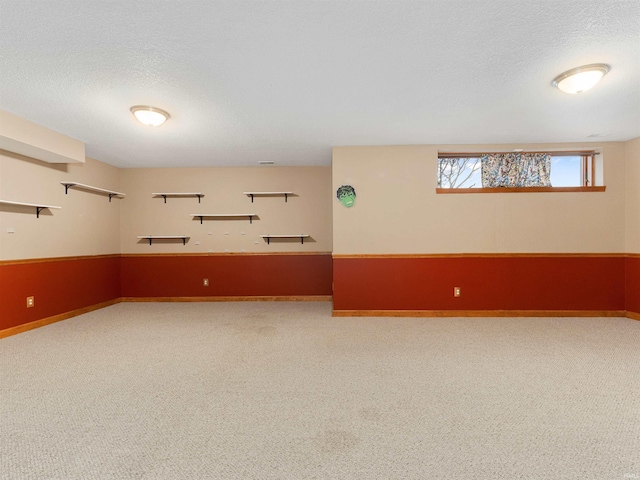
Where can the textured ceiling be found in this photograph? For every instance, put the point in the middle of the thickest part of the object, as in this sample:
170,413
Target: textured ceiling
249,81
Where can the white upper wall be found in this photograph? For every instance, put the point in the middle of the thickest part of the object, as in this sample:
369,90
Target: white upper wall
87,224
23,137
307,211
632,191
398,211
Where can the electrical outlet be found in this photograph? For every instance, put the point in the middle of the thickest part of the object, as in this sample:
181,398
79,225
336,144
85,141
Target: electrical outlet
456,291
31,301
205,282
11,230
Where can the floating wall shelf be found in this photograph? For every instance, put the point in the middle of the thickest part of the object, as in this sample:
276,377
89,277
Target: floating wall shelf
301,237
268,194
179,194
151,238
39,207
90,188
224,215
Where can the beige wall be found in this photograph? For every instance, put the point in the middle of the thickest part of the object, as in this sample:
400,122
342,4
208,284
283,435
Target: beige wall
87,224
308,212
632,190
27,138
398,211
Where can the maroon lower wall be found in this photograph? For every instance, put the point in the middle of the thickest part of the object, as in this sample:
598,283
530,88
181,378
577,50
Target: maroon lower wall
62,285
501,282
58,285
229,275
589,283
632,278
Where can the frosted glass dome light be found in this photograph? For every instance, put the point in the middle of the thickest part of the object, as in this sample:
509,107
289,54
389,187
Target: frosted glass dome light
581,79
151,116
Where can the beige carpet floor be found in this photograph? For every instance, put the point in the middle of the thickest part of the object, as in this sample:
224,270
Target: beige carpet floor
285,391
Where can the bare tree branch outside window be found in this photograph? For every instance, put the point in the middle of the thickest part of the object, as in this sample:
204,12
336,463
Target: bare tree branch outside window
458,172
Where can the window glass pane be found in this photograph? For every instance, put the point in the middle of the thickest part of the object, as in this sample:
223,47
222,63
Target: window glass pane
566,171
459,173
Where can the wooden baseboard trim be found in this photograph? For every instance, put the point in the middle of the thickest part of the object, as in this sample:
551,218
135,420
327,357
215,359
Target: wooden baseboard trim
342,256
285,298
479,313
336,313
7,332
633,315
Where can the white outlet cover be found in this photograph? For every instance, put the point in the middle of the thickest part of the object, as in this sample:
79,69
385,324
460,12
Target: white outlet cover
226,233
209,233
243,233
255,241
197,243
11,230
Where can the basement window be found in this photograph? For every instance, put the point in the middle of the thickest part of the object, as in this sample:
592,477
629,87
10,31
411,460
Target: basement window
505,172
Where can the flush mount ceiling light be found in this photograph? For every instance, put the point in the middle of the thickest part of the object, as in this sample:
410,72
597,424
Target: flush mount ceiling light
581,79
151,116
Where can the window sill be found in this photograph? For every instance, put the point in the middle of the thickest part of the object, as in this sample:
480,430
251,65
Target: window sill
520,190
